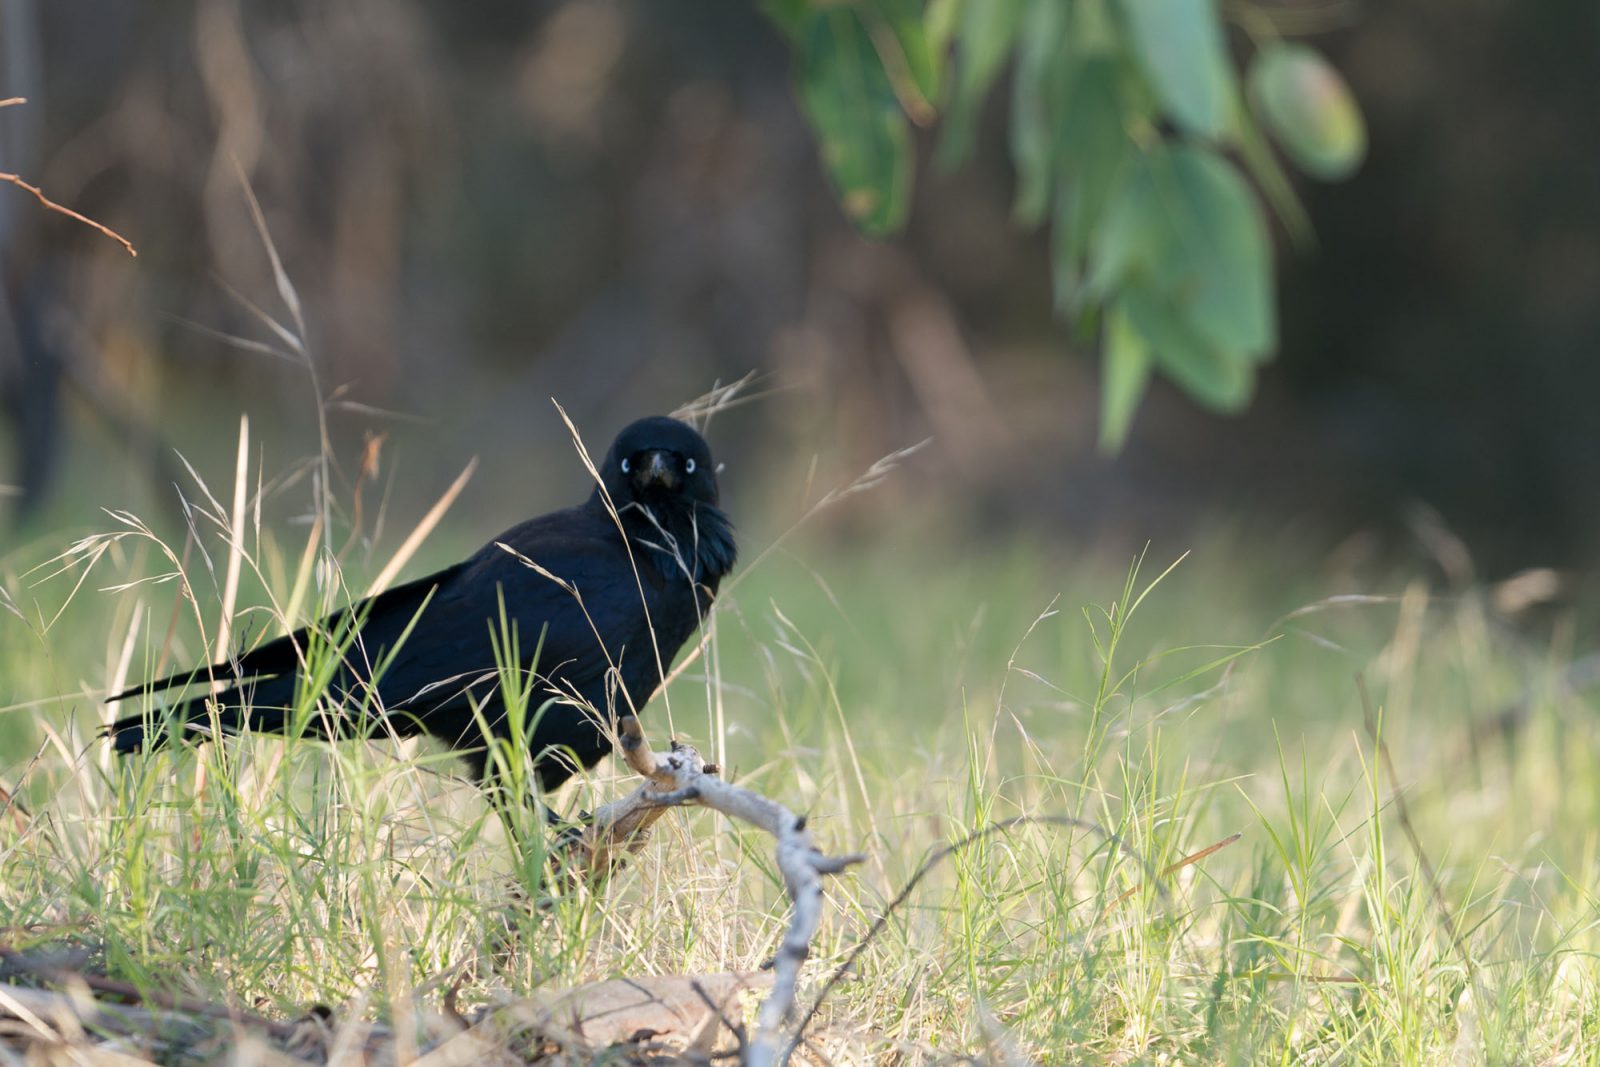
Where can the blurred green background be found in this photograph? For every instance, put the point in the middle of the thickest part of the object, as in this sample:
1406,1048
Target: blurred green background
617,204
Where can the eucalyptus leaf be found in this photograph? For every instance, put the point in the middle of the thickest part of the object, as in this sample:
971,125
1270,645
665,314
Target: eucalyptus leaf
1274,183
1094,150
985,32
1181,47
1220,381
790,15
864,134
1186,225
1128,238
1124,376
939,24
1066,257
1044,66
1120,114
908,54
1214,256
1309,110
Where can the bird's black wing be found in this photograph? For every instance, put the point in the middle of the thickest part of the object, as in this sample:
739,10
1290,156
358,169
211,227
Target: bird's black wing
386,614
587,621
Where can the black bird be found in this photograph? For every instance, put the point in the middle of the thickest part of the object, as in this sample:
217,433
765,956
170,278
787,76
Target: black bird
613,611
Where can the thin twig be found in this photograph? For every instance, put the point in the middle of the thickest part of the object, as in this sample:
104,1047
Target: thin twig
67,211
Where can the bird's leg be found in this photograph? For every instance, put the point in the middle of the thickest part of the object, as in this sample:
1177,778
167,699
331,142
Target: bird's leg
566,832
512,810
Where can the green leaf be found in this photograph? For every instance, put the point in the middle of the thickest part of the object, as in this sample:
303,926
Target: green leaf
984,35
790,15
939,23
1181,47
1128,239
1123,378
1274,183
864,135
1095,150
1094,30
1038,88
1186,225
1213,378
1066,255
1214,256
1309,110
1182,257
900,31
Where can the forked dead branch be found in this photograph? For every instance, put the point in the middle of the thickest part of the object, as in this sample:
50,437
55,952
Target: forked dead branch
680,777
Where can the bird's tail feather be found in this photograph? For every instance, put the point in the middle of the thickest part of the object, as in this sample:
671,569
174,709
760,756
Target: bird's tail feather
262,711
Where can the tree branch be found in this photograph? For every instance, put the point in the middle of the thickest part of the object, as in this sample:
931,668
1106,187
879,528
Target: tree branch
682,777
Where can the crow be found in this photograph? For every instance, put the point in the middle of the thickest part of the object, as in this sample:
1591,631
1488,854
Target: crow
615,587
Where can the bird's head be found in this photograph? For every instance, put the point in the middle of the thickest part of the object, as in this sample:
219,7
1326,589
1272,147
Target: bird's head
662,464
663,482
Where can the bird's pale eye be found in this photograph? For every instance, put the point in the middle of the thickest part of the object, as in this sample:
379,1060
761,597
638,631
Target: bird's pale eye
688,465
626,466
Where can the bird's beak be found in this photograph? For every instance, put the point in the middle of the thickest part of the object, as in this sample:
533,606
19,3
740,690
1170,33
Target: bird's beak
656,470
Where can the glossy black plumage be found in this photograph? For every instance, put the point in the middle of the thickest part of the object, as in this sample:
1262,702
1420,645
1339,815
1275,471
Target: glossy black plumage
637,601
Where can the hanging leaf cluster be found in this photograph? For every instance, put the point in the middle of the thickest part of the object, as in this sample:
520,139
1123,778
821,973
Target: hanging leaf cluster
1132,129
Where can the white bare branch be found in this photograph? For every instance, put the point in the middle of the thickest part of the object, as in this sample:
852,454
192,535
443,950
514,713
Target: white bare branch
682,776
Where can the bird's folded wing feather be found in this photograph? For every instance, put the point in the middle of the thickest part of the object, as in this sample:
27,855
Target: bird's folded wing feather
578,625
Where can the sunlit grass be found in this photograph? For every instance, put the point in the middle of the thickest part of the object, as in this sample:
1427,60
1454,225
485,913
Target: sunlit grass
904,699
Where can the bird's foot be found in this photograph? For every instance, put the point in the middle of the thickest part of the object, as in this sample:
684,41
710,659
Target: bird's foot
565,833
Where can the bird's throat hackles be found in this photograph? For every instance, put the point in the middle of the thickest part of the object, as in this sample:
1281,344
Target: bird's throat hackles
692,540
